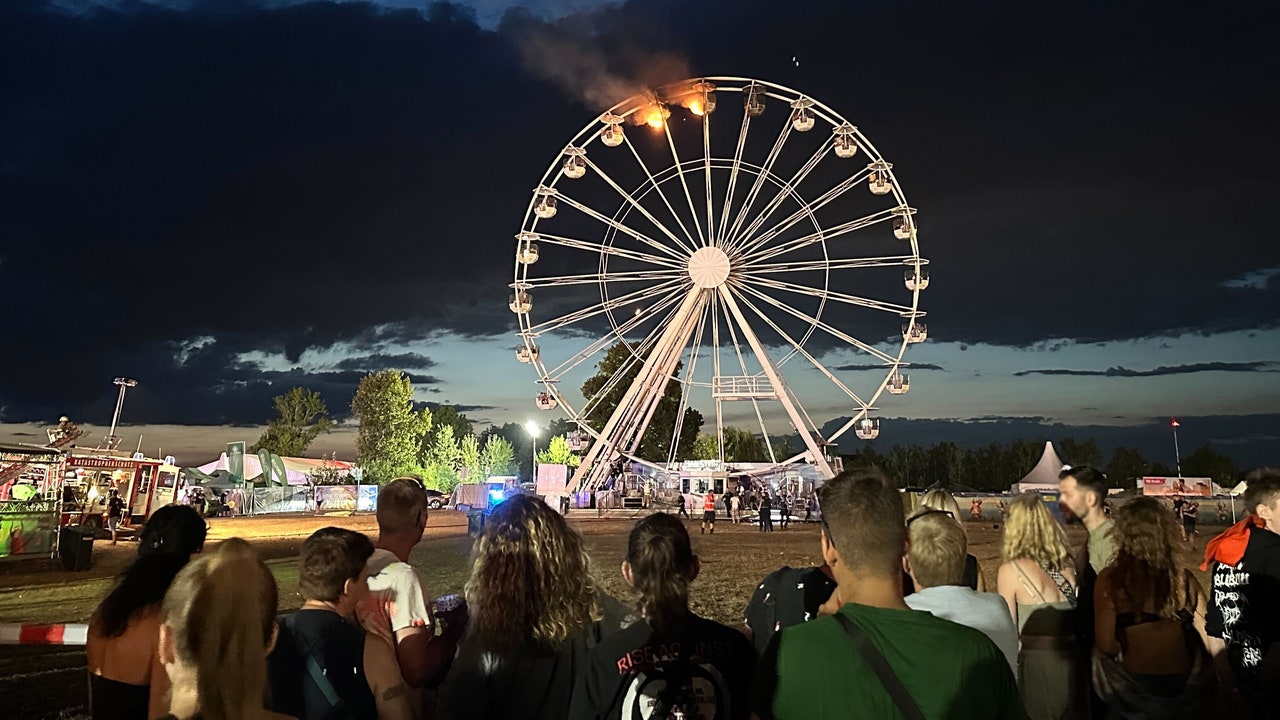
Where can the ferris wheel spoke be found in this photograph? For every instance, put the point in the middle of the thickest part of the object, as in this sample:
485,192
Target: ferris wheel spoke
715,373
758,183
822,201
817,237
678,431
689,242
733,177
840,297
706,165
742,363
609,339
635,203
637,355
604,307
834,332
620,227
784,191
597,247
851,263
800,348
599,277
684,183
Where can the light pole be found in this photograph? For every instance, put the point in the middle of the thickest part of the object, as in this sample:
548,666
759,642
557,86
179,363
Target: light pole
532,427
125,383
1177,456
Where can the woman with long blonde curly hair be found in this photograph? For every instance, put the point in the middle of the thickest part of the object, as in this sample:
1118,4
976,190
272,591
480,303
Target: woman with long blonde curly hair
1149,619
533,611
1037,580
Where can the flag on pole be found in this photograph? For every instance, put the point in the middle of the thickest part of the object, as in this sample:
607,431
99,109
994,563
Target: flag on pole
1175,423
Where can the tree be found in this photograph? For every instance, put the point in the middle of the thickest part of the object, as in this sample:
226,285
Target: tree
558,453
301,416
447,416
1207,462
656,442
1126,464
706,447
391,430
496,457
744,446
1084,452
469,458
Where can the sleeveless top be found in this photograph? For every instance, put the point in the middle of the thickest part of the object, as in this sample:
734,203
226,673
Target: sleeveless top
115,700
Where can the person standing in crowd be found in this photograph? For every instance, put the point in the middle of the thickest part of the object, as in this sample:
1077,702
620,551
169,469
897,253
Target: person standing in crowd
813,670
218,626
936,565
1179,507
784,509
785,597
1149,654
766,512
397,605
944,502
672,663
324,665
534,612
680,505
709,511
115,510
1037,581
735,508
1190,514
1222,512
126,678
1082,497
1243,623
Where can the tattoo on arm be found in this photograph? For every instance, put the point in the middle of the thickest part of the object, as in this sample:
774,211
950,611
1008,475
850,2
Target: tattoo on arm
395,691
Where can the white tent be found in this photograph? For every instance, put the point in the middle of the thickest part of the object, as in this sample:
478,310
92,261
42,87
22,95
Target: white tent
1044,476
252,469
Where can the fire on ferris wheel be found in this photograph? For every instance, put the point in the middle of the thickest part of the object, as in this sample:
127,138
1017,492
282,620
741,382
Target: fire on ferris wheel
721,244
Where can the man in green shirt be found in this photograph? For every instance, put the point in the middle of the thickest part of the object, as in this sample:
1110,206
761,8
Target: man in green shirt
813,670
1082,494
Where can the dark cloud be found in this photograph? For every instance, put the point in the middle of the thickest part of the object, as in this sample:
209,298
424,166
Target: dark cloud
341,172
384,361
1123,372
870,366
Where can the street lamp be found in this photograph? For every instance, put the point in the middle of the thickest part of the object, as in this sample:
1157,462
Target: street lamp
1177,456
125,383
532,428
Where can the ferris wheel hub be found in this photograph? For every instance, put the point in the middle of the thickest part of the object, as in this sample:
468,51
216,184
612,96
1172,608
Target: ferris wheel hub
709,267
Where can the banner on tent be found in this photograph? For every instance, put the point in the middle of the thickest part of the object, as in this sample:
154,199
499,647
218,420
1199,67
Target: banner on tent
282,500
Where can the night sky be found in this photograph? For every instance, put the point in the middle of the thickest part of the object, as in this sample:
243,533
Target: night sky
227,198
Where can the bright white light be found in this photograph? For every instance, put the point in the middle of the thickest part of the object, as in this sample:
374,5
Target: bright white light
532,427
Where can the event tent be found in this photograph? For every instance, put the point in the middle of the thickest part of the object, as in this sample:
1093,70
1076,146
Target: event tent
296,469
1044,476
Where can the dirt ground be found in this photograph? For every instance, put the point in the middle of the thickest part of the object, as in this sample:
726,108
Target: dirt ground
734,559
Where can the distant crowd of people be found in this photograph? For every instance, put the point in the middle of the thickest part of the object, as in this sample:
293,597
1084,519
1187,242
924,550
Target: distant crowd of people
895,621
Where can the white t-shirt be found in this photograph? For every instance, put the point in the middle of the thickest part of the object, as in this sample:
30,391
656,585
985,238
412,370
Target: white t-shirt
962,605
395,588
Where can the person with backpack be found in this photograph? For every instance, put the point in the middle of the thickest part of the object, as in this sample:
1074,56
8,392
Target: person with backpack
670,663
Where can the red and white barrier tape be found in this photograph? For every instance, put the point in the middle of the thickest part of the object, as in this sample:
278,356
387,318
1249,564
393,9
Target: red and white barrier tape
69,634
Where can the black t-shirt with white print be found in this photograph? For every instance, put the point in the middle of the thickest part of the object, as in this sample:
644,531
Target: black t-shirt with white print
701,670
1244,605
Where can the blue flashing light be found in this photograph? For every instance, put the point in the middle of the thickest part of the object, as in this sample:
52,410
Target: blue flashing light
496,496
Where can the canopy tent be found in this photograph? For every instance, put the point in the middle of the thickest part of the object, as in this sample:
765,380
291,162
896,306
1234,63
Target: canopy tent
1044,476
296,469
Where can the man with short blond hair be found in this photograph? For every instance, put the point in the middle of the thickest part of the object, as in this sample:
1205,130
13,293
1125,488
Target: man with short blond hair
935,562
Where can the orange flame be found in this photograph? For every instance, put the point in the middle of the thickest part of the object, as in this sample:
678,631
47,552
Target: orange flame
656,116
695,107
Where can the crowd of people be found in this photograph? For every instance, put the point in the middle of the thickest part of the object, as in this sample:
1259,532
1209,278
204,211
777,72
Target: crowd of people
895,621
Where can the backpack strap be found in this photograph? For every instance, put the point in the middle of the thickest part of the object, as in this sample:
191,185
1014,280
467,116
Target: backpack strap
875,660
314,671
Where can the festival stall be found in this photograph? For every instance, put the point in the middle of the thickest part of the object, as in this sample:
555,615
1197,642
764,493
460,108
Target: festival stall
30,480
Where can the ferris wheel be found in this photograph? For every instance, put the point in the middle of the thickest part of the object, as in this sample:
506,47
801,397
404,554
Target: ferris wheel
683,252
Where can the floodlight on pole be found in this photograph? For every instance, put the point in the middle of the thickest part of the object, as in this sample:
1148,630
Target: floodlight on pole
532,428
1177,456
125,383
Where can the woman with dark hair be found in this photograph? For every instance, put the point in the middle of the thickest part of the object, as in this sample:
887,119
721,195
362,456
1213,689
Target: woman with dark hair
533,612
126,679
1150,643
671,663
